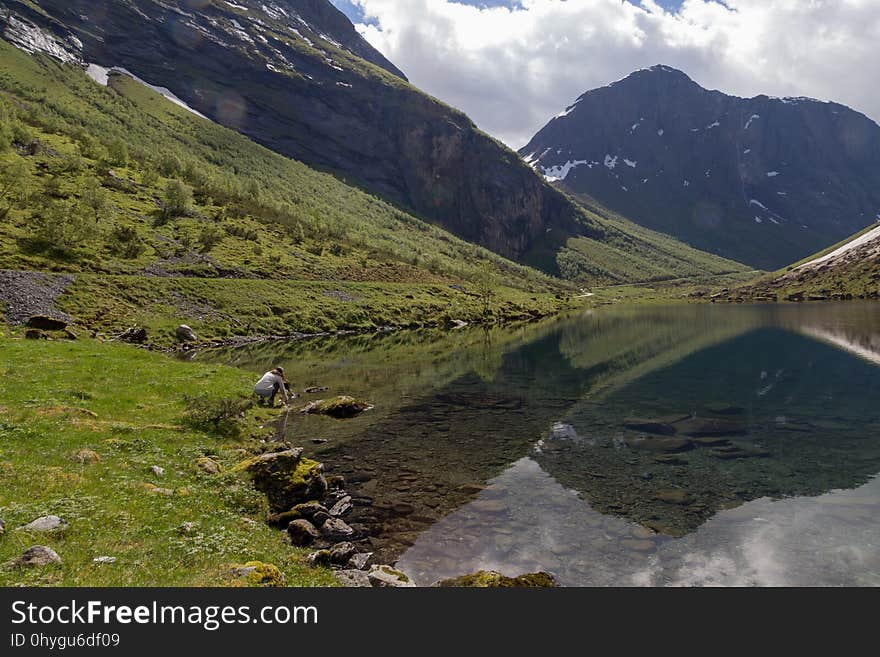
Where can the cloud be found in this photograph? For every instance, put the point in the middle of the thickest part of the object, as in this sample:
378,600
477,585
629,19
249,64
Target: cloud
513,68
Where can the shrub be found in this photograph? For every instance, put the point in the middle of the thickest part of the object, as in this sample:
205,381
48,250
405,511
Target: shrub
61,227
126,242
177,201
209,237
219,416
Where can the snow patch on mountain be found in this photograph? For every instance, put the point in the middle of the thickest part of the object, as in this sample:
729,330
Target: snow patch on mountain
610,162
560,172
753,117
101,75
630,163
772,174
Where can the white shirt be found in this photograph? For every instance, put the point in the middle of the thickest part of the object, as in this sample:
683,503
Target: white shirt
267,383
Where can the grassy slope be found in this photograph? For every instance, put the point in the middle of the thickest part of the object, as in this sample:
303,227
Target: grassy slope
859,279
126,404
289,223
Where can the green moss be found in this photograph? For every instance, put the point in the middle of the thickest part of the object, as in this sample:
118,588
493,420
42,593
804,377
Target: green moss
492,579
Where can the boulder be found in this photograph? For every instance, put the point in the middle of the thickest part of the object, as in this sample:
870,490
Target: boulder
359,561
157,470
341,553
666,445
335,529
45,524
673,496
309,510
286,478
37,556
208,465
655,426
388,577
713,426
341,507
302,532
46,323
257,573
185,334
35,334
492,579
86,456
134,335
339,407
353,578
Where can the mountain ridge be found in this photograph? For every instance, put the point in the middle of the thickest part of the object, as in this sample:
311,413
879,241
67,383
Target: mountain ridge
762,180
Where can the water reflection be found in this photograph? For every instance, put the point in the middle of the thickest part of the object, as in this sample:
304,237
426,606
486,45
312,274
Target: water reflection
619,441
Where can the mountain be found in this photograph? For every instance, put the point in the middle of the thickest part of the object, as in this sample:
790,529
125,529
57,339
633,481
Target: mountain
848,270
294,76
765,181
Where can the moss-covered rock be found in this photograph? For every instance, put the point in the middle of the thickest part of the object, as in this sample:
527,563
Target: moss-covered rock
491,579
338,407
286,478
257,573
208,465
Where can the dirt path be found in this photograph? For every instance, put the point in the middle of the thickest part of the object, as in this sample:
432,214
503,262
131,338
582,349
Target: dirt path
27,293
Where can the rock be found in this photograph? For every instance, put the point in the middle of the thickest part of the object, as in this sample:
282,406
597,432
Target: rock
492,579
702,427
45,323
319,558
157,490
282,520
335,482
341,507
187,527
725,409
335,529
668,445
37,556
354,578
309,510
314,390
638,545
134,335
388,577
208,465
286,478
302,532
185,334
670,460
338,407
257,573
103,560
70,334
710,441
649,426
359,561
2,527
673,496
157,470
342,552
86,456
45,524
35,334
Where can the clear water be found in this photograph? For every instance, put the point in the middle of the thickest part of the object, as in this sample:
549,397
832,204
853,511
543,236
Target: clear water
692,445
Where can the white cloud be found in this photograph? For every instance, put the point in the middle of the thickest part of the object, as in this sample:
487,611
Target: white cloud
512,70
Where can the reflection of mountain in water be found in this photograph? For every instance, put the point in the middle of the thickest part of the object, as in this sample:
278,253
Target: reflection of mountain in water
766,414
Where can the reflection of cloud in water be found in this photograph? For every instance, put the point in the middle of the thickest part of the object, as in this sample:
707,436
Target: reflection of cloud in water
866,347
525,521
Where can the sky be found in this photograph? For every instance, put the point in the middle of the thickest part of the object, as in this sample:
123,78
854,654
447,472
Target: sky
511,65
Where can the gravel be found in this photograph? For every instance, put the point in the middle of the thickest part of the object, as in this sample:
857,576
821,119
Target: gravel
28,293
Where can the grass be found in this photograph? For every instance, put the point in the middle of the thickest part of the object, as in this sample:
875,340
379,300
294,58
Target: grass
126,404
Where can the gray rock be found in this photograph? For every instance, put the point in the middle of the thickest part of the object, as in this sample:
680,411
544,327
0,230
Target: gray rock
354,578
335,529
2,527
342,507
45,524
320,558
309,510
185,334
302,533
342,552
103,560
37,556
157,470
388,577
359,561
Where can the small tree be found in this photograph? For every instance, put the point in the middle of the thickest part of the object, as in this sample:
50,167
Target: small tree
209,237
15,184
61,227
94,200
117,152
126,242
486,283
178,200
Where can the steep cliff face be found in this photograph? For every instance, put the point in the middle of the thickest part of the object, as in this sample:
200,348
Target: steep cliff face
295,76
766,181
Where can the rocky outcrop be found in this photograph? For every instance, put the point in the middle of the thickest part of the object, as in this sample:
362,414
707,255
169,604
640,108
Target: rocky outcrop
765,181
286,478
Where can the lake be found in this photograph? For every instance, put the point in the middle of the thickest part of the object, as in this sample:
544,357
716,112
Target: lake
641,446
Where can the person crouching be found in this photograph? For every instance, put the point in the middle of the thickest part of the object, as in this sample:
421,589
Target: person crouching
271,385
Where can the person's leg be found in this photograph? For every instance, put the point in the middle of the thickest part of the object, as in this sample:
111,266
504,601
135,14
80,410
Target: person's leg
275,389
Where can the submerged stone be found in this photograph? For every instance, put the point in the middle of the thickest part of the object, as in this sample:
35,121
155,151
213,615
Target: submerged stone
339,407
492,579
649,426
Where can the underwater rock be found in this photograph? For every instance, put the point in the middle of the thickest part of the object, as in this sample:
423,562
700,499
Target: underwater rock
492,579
649,426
